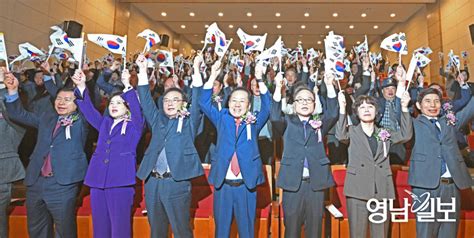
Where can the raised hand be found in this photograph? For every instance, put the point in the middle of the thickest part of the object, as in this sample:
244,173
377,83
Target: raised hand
11,82
79,79
141,62
341,98
365,61
405,100
125,78
401,74
115,65
279,80
216,68
329,78
45,68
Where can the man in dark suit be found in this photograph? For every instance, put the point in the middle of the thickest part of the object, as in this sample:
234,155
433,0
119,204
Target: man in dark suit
11,168
171,159
304,172
437,167
57,165
236,168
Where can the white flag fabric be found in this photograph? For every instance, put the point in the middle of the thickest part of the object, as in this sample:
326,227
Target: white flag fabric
422,60
113,43
396,43
3,49
165,59
335,49
28,51
211,32
363,47
454,60
423,50
152,38
222,47
311,54
251,42
375,58
273,51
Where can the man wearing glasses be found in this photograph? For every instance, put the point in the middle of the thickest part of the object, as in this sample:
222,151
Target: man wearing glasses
57,165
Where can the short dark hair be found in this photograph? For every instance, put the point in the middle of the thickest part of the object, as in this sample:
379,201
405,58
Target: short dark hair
467,73
178,90
65,89
426,92
301,88
115,94
241,89
367,99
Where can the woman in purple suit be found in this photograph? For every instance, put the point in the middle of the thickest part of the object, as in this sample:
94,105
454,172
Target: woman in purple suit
111,172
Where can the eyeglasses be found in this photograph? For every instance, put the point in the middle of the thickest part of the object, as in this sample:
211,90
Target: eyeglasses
238,101
304,100
66,100
172,100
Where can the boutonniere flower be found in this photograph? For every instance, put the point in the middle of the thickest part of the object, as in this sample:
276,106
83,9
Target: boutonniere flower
316,123
68,122
449,114
182,113
249,118
126,118
218,99
384,136
447,106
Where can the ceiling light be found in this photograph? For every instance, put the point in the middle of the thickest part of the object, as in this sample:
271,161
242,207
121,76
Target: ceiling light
351,27
277,14
279,26
376,27
249,14
327,27
363,15
319,42
206,26
183,26
195,35
191,14
202,42
300,36
335,14
299,42
393,15
303,26
306,14
255,26
220,14
231,26
358,42
163,14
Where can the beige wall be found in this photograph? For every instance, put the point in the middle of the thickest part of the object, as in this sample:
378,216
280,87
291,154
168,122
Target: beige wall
30,20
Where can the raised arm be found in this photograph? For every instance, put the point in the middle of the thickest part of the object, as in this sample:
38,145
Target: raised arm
84,102
205,101
341,126
195,110
150,111
13,104
406,125
49,80
264,113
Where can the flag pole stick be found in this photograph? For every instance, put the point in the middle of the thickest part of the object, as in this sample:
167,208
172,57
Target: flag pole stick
82,53
124,56
144,48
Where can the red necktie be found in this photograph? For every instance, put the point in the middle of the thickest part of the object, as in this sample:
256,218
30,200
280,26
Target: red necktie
47,169
234,163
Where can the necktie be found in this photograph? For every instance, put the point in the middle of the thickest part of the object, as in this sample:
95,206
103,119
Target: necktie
47,168
234,163
161,163
306,165
438,134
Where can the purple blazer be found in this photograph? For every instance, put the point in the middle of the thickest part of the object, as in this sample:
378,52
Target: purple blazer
113,163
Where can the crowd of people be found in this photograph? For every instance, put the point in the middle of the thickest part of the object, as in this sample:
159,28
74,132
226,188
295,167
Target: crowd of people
93,125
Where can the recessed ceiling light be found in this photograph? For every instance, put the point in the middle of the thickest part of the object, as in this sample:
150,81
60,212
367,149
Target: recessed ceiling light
220,14
206,26
306,14
351,27
191,14
299,42
327,27
202,42
393,15
255,26
249,14
376,27
183,26
335,14
319,42
277,14
300,36
303,26
363,15
279,26
358,42
231,26
195,35
163,14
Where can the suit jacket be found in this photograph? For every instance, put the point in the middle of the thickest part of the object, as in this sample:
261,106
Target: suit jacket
398,108
68,159
113,163
183,159
11,168
297,148
228,142
367,176
428,151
